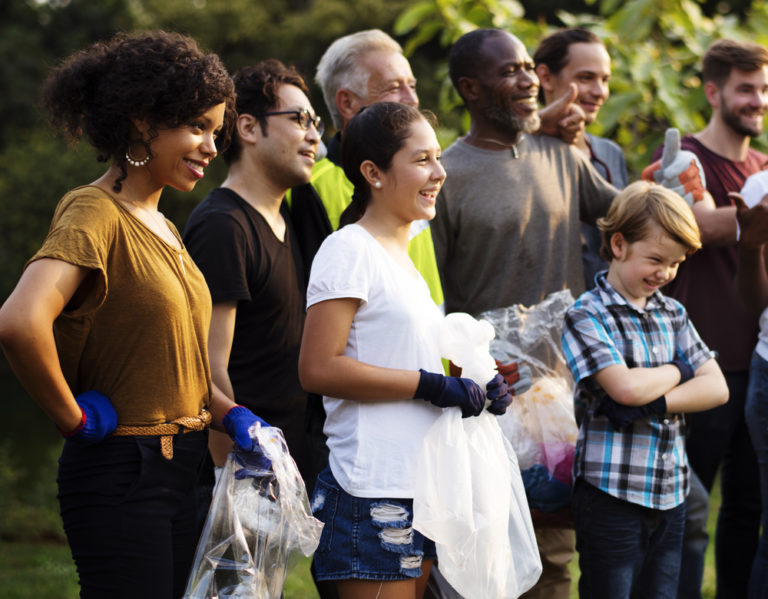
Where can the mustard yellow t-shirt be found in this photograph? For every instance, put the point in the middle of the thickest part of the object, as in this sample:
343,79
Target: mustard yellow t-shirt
140,335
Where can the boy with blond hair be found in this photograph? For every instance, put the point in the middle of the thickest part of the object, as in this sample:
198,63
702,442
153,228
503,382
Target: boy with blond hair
638,364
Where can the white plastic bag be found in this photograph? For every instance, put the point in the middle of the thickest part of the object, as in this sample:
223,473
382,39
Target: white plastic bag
470,500
259,521
469,497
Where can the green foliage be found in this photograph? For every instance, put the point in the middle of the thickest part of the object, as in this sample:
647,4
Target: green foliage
28,507
655,46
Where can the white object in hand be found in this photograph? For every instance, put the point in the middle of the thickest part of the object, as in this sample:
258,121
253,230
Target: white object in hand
465,341
755,188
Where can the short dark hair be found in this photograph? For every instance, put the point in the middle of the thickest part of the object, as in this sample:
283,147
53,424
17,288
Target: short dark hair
159,77
553,49
257,92
727,54
462,59
376,133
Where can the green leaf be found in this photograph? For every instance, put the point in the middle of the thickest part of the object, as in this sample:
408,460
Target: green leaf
412,17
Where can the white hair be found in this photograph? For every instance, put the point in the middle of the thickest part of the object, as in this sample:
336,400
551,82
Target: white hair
340,68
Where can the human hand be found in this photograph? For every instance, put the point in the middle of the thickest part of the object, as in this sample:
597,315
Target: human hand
498,392
686,370
448,391
238,422
622,416
753,222
678,170
247,451
98,421
518,376
563,118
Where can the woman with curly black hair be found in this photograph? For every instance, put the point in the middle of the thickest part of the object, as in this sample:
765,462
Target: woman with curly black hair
107,328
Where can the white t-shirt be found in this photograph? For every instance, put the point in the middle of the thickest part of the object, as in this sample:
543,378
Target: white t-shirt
373,444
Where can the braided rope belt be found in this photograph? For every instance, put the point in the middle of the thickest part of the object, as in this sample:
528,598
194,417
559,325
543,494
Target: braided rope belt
167,430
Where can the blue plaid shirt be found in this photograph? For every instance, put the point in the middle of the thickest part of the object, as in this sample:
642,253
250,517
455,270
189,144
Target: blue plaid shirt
645,463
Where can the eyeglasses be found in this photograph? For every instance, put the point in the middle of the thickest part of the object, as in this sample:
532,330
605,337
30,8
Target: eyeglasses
303,117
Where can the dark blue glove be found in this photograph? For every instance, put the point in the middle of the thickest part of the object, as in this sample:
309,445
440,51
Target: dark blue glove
498,393
252,464
686,371
237,422
98,421
448,391
622,416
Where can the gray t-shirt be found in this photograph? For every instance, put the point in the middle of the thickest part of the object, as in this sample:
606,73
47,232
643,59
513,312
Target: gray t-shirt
507,229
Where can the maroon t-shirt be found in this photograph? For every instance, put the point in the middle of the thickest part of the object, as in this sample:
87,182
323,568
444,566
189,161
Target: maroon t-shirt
704,283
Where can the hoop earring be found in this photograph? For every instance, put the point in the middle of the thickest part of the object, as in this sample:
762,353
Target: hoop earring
143,162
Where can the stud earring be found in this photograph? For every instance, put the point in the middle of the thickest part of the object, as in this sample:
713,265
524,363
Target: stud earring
377,185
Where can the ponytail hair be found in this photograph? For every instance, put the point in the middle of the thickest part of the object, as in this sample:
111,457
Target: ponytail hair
376,133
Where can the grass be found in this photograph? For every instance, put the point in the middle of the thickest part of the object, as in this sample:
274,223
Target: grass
44,570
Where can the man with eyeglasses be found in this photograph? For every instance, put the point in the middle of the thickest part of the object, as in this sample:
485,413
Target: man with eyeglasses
242,239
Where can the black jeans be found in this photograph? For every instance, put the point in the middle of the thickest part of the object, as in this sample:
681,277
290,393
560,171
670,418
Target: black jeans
129,514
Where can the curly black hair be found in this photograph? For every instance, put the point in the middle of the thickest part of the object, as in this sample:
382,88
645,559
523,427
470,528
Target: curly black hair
159,77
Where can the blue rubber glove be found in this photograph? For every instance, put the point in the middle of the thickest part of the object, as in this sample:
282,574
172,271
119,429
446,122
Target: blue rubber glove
237,423
499,394
448,391
622,416
98,421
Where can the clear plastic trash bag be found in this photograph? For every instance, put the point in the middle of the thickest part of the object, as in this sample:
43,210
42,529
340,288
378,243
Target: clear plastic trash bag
540,424
469,496
258,524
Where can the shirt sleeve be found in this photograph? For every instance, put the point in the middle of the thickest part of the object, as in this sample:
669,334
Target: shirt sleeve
587,345
82,233
221,249
341,269
595,193
690,344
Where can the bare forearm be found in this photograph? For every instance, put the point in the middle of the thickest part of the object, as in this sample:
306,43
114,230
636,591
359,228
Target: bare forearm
638,386
703,392
751,278
347,378
716,225
33,358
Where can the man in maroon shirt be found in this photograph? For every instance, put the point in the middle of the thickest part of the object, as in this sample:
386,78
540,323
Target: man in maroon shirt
735,76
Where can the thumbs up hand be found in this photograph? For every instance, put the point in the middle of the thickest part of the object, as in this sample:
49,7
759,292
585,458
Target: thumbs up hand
678,170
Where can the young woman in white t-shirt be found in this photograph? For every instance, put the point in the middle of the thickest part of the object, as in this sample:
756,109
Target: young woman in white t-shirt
370,348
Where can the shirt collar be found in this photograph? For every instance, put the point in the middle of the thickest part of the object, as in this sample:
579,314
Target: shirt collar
609,296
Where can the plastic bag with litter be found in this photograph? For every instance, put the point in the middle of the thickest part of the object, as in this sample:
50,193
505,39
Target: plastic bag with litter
540,424
258,524
469,496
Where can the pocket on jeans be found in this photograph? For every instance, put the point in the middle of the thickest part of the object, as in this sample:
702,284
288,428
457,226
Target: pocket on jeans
325,501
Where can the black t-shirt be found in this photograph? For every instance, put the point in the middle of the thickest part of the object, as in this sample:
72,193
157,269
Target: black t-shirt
243,261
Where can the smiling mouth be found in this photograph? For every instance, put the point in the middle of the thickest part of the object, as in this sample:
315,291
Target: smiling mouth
526,101
196,167
307,154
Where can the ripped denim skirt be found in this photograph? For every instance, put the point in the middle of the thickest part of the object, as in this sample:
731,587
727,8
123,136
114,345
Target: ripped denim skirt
366,538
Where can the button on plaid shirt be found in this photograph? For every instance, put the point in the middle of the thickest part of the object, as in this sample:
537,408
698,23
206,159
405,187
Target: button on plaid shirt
644,463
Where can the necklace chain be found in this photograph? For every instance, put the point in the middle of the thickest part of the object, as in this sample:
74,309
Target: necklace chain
163,231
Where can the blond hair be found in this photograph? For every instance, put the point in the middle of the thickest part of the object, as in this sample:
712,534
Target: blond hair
643,204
